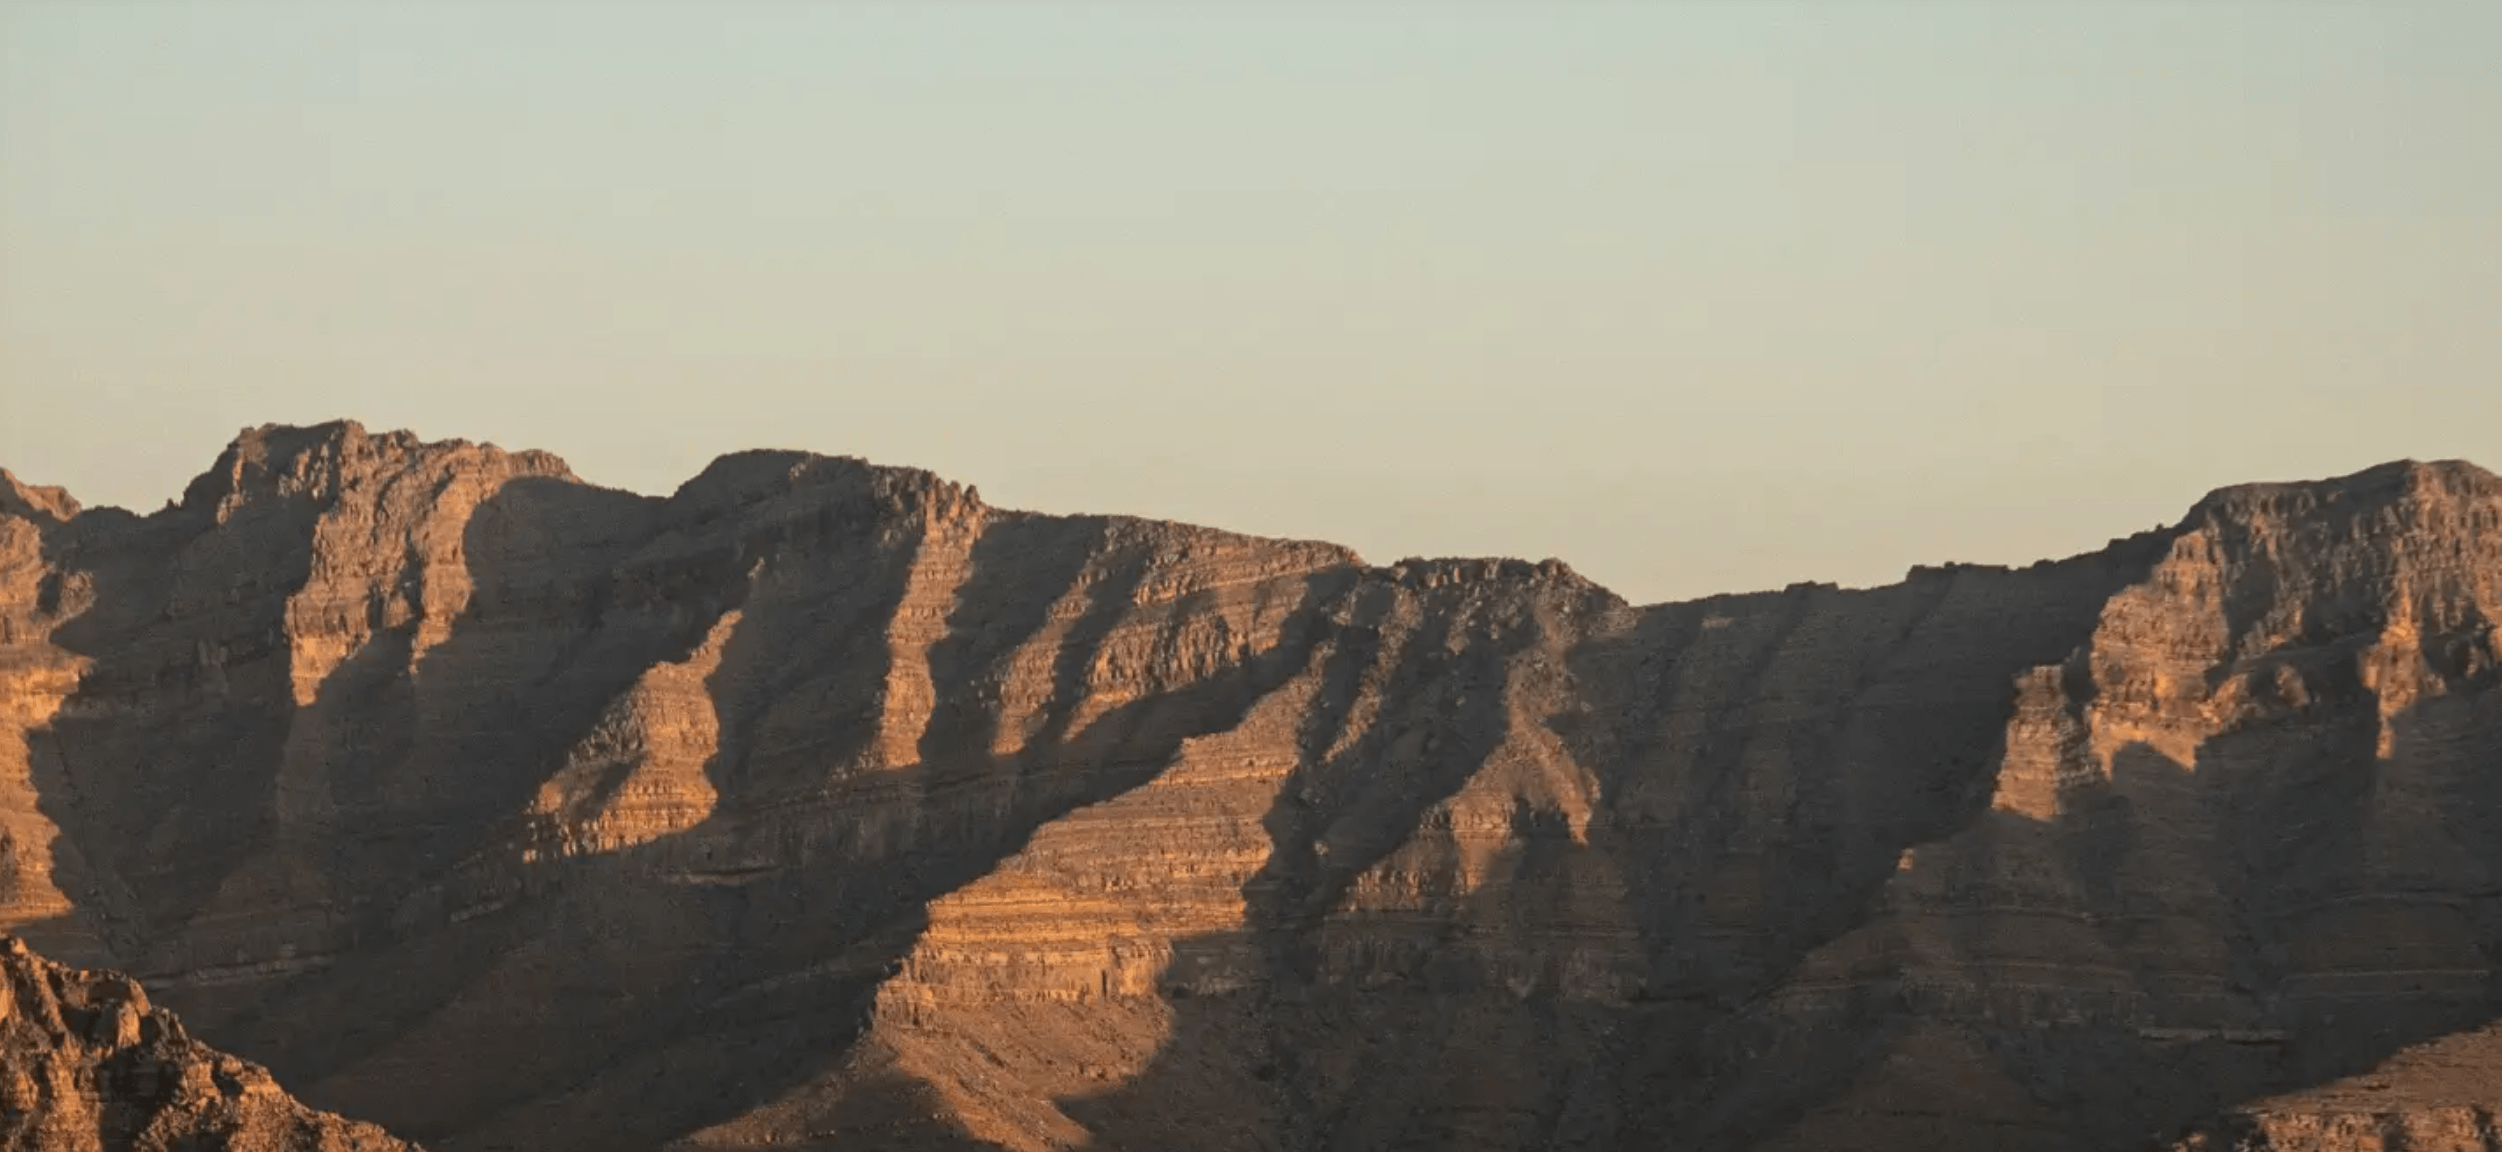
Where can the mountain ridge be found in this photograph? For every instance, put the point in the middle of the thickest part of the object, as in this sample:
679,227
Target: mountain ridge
820,800
58,503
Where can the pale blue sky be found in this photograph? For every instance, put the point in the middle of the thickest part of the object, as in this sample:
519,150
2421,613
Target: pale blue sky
1697,296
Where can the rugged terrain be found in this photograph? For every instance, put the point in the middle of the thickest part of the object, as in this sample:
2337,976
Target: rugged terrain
87,1066
823,805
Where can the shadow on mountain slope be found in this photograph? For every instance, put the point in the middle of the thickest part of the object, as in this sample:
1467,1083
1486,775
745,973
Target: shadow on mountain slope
359,863
751,942
1761,898
1970,1049
2295,909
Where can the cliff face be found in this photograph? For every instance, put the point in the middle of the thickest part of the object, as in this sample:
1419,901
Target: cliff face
820,803
90,1067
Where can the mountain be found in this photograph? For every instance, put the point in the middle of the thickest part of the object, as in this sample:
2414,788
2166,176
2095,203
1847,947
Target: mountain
822,805
90,1067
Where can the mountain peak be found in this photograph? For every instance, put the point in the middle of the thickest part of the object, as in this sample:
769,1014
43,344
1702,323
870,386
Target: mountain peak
34,501
319,459
2397,481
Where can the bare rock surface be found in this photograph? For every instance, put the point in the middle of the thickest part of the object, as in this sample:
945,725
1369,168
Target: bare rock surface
86,1065
820,804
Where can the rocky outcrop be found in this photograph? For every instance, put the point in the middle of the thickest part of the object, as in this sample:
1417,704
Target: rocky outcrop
86,1065
2441,1096
821,804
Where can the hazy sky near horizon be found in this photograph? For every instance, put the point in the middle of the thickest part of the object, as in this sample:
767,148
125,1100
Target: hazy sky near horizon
1697,296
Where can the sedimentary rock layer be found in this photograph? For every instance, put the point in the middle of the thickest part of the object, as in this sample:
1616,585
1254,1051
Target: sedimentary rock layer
821,804
2444,1095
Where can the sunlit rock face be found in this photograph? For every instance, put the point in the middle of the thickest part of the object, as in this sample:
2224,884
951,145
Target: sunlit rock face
87,1065
821,804
2443,1095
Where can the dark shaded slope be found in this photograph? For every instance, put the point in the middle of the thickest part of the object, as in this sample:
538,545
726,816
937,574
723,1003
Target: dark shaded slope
820,803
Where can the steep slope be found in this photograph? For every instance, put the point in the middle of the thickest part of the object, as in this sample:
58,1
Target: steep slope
822,804
87,1066
2246,836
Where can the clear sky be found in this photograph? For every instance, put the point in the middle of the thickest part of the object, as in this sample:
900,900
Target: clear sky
1698,296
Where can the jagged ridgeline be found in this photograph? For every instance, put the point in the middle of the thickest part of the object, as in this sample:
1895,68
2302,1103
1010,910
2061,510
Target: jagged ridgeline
822,805
86,1064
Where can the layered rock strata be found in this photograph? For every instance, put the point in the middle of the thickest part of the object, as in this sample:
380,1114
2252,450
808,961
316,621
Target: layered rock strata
820,804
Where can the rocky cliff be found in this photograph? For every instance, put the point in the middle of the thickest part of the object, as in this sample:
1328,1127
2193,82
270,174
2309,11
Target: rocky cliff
821,804
88,1066
2444,1095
